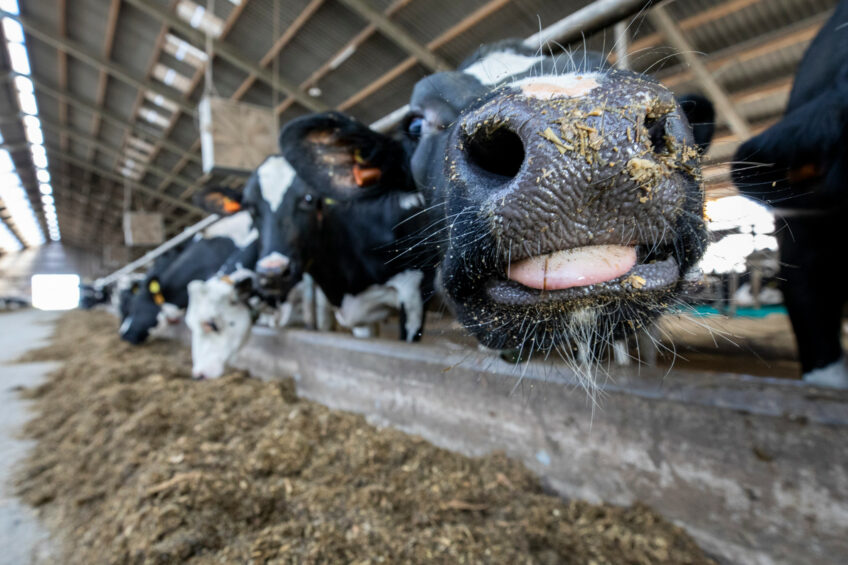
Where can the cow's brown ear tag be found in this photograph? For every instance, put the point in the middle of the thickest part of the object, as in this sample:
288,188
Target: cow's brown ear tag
364,175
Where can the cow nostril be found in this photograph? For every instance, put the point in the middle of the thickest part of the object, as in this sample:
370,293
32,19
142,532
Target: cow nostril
656,132
497,151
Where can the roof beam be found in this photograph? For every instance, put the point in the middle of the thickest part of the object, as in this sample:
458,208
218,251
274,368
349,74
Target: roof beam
710,15
103,79
342,54
62,62
228,53
135,185
93,142
149,135
79,52
450,34
803,31
284,39
399,35
662,21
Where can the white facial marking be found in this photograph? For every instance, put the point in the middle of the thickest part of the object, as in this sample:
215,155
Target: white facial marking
239,227
569,85
215,302
414,200
495,67
273,260
275,178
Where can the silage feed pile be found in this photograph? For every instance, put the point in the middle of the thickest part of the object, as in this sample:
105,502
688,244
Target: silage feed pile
136,463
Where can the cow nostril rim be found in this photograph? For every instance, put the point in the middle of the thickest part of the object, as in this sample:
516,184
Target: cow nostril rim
497,151
656,131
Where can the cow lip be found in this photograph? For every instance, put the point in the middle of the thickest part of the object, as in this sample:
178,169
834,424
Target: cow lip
645,277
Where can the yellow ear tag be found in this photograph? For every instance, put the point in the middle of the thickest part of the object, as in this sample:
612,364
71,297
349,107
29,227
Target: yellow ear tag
357,156
330,201
156,290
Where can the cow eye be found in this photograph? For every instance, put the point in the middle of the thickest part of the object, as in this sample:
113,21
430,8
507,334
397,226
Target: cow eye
414,125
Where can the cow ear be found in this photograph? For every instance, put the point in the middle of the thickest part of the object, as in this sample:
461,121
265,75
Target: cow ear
341,157
219,200
701,116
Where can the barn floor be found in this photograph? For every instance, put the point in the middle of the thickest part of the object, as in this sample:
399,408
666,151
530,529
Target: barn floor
22,537
136,462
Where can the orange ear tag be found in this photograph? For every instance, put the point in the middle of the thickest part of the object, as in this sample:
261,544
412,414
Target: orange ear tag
366,176
231,206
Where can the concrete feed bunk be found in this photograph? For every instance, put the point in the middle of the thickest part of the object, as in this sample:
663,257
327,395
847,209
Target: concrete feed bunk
135,462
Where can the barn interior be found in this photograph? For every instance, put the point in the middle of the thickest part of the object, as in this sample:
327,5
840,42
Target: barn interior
105,143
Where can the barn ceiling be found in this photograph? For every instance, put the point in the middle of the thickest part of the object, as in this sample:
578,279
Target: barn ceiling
118,81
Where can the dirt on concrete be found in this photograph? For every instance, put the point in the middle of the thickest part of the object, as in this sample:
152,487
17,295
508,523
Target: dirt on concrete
136,463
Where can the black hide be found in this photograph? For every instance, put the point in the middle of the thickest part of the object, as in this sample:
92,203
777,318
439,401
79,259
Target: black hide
800,167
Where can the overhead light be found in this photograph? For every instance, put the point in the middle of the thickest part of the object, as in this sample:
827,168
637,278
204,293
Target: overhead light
27,102
45,188
24,84
10,6
47,199
13,30
8,241
314,91
42,175
18,58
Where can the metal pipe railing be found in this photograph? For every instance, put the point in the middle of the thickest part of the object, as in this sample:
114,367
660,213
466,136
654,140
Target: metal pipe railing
153,254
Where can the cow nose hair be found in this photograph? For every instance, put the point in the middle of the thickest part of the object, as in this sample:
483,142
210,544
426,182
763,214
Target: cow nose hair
496,153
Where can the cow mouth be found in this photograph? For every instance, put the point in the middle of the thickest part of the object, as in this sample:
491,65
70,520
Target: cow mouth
585,273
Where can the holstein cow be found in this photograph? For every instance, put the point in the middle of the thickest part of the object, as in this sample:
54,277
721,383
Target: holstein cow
91,296
127,286
167,291
220,313
572,206
800,167
340,205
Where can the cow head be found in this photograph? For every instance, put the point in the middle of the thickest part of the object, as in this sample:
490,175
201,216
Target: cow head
220,319
284,211
572,201
143,312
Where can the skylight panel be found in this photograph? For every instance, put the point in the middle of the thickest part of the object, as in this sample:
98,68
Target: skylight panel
153,117
140,144
13,31
8,242
199,18
18,58
184,51
161,101
10,6
171,77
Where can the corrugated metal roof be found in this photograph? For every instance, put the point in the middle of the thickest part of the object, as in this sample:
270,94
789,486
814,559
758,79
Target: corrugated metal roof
752,48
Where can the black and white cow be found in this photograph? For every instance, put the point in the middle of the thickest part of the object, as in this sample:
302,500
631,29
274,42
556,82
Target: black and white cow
166,292
340,205
800,167
571,201
92,295
220,313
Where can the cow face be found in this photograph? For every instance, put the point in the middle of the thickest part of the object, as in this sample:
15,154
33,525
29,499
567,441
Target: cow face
571,195
220,320
143,312
284,211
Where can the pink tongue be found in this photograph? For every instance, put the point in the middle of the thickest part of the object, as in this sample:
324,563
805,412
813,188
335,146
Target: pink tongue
574,267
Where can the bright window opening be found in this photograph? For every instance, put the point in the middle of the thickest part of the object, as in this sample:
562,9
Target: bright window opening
55,292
